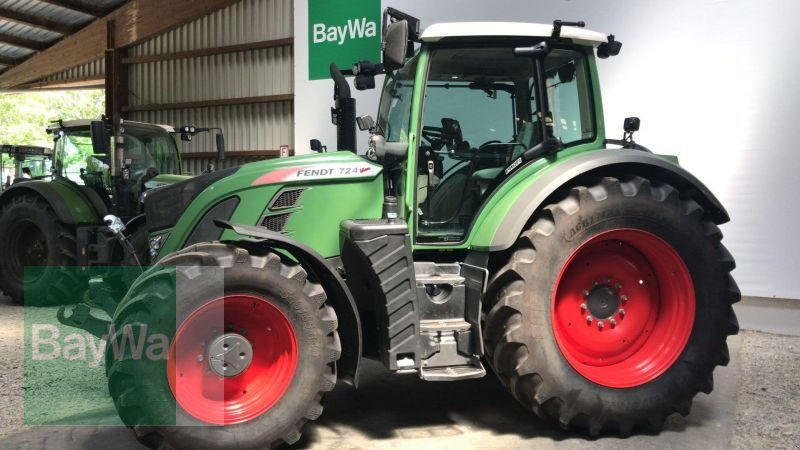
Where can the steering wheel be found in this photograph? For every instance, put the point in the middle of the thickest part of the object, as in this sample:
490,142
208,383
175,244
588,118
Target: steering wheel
493,141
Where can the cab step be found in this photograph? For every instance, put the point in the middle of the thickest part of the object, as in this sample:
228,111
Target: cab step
454,373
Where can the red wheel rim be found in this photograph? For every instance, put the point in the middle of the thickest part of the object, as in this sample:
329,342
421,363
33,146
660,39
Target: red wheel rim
623,308
225,400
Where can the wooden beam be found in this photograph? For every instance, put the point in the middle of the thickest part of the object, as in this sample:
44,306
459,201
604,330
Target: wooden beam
210,51
23,43
90,10
74,83
212,103
137,21
34,21
236,154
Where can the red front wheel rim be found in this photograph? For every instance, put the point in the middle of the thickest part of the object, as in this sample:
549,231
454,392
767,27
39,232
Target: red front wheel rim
623,308
260,332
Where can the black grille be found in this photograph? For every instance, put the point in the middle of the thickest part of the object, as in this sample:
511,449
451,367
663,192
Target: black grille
164,205
276,222
286,199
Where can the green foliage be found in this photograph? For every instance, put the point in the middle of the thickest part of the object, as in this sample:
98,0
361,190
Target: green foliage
24,117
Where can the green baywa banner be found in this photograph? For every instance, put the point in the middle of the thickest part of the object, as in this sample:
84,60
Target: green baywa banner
344,32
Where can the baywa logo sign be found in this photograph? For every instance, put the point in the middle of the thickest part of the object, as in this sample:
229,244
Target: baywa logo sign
342,31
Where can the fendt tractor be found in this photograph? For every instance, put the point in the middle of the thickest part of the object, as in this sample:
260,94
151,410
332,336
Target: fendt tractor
490,222
29,162
59,219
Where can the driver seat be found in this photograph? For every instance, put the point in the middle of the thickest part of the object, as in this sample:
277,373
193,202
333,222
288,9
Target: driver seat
483,178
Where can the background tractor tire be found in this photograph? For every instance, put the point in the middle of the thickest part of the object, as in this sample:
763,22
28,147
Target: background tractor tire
272,305
613,308
33,236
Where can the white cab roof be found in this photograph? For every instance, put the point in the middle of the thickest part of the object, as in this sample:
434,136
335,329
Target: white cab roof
440,31
87,122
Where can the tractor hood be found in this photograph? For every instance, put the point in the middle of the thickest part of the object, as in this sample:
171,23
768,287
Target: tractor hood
165,205
310,168
164,180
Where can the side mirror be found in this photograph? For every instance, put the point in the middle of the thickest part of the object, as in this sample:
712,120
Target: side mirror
220,146
395,45
100,137
365,122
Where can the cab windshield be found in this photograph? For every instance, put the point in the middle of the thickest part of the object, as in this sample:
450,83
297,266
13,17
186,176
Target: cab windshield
479,116
394,114
145,147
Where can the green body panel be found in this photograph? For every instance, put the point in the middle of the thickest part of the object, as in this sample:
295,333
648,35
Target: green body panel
322,206
80,208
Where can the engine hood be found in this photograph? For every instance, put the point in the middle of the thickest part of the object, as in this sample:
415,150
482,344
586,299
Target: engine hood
164,180
310,168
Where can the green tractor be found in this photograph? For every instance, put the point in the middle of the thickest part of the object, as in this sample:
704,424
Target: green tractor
30,163
60,219
490,223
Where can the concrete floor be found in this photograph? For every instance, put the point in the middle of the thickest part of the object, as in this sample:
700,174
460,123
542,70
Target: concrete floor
754,405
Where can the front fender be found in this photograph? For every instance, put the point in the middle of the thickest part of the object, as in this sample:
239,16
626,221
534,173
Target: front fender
71,206
508,218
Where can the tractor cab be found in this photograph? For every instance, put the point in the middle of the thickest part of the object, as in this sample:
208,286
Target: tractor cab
29,163
489,98
150,152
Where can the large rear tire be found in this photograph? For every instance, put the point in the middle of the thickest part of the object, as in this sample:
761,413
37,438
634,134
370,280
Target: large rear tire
613,308
32,236
270,308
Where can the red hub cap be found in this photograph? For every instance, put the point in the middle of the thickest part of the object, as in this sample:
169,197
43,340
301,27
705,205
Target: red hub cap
623,308
232,360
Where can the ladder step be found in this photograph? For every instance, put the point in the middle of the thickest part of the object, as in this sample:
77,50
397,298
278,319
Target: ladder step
444,325
453,373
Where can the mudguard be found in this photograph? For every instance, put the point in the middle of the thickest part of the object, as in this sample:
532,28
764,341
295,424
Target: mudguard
71,205
617,162
335,287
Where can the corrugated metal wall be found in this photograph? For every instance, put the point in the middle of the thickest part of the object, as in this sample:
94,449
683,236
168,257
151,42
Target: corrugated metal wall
88,71
252,73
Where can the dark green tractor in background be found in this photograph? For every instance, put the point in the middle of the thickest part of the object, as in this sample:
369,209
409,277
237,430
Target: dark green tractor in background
30,163
59,219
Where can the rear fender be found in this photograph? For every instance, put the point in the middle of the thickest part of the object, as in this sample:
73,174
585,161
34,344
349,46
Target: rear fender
539,189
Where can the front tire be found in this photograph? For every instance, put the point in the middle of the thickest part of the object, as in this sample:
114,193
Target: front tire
613,308
32,236
273,314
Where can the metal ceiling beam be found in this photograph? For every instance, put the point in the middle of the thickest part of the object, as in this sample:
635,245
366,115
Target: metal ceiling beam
90,10
5,60
23,43
34,21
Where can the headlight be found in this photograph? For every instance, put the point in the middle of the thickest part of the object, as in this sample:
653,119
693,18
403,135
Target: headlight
155,244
